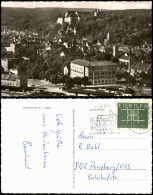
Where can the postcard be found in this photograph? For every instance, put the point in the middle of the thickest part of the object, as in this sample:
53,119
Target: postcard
76,146
76,48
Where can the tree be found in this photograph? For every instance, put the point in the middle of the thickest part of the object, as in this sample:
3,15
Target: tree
85,81
69,83
119,74
35,72
2,70
55,79
114,59
131,79
143,75
63,79
48,73
125,75
77,81
23,68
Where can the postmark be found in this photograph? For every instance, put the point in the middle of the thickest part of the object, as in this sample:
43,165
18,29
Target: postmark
102,122
102,119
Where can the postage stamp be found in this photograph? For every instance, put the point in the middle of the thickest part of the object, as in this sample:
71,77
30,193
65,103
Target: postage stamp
132,115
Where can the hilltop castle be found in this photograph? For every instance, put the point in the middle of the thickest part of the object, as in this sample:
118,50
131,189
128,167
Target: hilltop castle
74,16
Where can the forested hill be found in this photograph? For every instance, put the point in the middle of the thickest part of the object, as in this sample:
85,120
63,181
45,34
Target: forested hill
127,26
33,18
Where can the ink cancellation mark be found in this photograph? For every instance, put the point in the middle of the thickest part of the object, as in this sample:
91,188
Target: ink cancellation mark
102,122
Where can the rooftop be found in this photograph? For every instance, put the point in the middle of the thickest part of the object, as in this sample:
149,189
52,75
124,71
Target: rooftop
80,62
144,67
9,77
102,63
94,63
124,58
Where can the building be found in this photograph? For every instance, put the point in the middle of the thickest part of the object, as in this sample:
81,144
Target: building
98,72
106,42
125,60
7,64
141,67
60,21
62,54
71,17
124,49
145,91
25,58
115,51
4,64
23,83
95,13
11,48
48,47
41,52
66,70
10,80
74,16
102,49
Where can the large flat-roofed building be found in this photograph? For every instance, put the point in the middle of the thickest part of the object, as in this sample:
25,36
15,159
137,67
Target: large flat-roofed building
79,68
98,72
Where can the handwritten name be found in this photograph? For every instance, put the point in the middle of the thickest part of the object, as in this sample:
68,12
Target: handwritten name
89,146
26,146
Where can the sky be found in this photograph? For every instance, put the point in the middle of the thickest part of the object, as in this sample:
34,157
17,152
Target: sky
112,5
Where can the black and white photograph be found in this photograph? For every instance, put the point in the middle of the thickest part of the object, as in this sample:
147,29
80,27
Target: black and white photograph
76,49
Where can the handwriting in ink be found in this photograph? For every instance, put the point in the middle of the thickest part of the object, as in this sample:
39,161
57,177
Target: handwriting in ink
107,177
58,138
89,146
45,152
26,145
102,166
58,133
45,135
45,159
58,119
43,120
82,136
